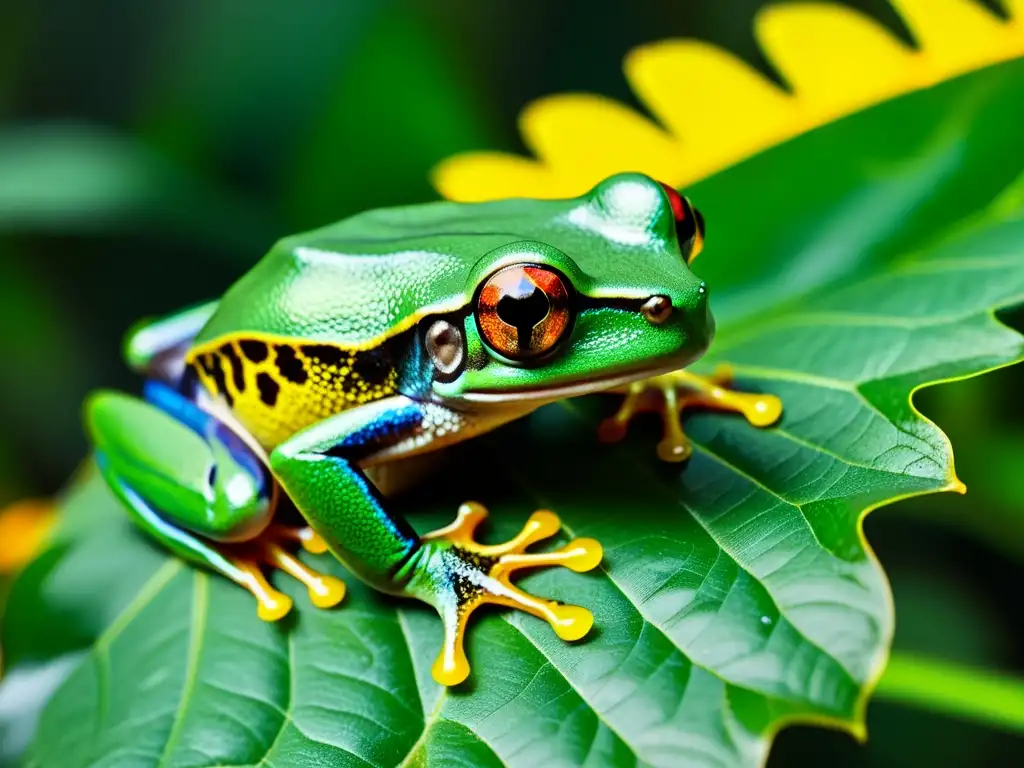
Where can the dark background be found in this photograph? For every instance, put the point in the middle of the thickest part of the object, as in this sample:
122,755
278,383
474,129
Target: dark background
151,151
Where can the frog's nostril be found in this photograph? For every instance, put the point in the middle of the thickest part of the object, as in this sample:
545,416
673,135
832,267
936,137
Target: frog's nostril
702,295
657,309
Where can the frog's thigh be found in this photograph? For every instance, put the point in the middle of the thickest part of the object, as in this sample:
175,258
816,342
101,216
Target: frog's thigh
176,483
187,472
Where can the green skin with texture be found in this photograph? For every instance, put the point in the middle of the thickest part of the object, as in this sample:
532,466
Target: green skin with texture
372,284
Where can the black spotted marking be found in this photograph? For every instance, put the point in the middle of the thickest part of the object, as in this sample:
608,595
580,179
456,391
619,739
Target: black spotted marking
462,570
325,354
190,380
221,383
268,388
237,371
475,560
467,592
209,364
289,365
254,350
373,366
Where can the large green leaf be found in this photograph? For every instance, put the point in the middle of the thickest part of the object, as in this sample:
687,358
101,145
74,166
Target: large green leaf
737,593
856,194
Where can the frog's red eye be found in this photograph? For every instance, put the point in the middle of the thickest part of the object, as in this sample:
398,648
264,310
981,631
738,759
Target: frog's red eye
524,310
689,223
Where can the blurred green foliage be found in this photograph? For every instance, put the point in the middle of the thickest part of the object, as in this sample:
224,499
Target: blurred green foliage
150,151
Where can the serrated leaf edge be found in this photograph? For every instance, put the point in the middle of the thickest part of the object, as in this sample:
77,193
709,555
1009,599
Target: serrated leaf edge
836,60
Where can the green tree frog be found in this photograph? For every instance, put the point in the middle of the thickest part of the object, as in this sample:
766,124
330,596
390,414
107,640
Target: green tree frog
387,335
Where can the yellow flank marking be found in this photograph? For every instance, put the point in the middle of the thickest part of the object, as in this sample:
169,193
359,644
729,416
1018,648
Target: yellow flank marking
326,388
837,61
24,526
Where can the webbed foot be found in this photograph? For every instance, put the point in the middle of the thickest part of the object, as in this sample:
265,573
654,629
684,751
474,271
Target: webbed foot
324,591
456,574
672,393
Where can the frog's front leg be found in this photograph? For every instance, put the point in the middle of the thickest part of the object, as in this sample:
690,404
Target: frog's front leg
320,470
672,393
195,486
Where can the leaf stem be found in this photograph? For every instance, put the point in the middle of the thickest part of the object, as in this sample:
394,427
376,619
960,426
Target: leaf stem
991,698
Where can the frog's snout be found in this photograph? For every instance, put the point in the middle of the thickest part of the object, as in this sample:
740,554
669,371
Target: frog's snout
697,321
702,321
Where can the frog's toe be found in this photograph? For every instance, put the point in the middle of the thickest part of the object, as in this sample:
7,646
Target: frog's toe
461,574
306,537
325,591
760,410
275,609
451,666
268,549
271,605
570,622
670,394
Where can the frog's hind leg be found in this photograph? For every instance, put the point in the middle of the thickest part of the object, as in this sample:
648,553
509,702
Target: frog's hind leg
196,487
670,394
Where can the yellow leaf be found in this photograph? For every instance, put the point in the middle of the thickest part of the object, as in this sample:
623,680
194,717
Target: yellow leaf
710,110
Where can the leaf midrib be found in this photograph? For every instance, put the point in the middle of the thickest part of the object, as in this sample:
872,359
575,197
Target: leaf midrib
658,628
641,467
437,713
165,574
200,613
289,707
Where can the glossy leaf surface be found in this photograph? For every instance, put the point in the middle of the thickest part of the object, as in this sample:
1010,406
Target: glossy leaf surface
737,593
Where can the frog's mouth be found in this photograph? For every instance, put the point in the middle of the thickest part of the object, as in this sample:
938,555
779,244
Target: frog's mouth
589,387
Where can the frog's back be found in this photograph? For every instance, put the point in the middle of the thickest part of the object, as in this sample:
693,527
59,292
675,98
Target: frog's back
323,322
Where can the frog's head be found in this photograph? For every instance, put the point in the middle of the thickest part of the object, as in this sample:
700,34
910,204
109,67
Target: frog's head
595,291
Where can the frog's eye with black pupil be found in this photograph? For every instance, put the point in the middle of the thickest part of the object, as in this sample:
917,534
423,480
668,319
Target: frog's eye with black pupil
689,223
523,310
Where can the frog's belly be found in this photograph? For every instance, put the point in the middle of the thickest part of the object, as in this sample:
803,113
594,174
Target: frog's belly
402,466
442,427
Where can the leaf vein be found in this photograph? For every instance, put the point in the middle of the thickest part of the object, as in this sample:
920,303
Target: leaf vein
200,613
289,708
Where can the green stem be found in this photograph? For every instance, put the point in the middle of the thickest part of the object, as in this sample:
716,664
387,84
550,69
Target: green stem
990,698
